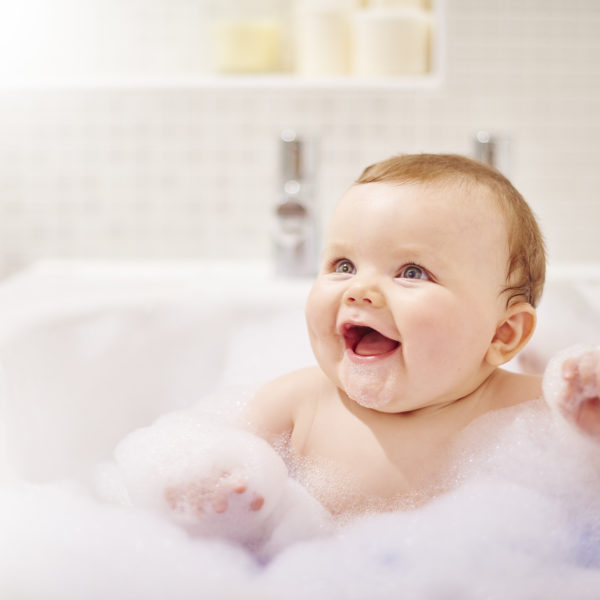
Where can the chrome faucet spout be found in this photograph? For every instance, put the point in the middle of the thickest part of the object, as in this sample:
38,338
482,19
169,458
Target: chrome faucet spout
295,227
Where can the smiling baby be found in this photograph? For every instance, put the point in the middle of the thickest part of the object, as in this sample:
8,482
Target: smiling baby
431,271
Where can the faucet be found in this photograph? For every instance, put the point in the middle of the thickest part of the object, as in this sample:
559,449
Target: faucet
493,150
295,230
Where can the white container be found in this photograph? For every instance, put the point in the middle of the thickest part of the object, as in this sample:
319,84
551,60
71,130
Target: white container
322,36
247,46
248,37
391,42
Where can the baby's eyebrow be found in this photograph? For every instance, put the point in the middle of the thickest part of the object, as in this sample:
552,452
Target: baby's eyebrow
338,248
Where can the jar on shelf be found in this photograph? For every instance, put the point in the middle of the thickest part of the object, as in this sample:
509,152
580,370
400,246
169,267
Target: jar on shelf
249,36
391,39
322,36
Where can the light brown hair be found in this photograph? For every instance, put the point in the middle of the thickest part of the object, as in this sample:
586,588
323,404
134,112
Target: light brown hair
526,269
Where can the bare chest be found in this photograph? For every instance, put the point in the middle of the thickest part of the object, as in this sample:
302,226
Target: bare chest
352,464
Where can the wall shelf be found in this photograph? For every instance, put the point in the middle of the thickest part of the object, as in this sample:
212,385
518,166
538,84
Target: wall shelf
113,76
223,82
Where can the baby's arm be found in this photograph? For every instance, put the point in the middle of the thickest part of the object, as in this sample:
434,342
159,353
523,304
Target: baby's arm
275,409
269,414
576,395
215,478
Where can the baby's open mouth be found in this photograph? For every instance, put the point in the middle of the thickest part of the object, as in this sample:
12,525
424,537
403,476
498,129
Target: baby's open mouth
366,341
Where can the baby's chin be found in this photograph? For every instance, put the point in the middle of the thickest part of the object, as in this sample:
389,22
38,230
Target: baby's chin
368,385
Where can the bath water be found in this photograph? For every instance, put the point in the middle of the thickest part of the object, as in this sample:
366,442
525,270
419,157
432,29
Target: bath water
522,522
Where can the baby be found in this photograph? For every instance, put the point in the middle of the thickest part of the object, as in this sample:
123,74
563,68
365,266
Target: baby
432,268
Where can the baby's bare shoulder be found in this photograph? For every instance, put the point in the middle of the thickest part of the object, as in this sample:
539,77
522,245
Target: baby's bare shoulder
296,383
276,405
515,388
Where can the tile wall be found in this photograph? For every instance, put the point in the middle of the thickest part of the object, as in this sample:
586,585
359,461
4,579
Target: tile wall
189,171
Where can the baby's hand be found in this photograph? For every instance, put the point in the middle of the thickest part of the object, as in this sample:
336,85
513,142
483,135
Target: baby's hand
210,478
579,401
195,499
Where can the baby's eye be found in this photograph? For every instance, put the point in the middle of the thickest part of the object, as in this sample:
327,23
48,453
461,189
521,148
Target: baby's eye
344,266
413,272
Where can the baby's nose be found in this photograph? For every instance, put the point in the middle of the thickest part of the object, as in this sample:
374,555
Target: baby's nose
364,295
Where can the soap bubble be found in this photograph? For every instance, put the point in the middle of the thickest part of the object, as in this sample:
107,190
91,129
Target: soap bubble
520,521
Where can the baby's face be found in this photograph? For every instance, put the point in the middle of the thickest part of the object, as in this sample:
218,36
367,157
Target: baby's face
408,297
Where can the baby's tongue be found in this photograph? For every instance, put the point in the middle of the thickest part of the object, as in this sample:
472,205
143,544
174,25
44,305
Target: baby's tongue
373,343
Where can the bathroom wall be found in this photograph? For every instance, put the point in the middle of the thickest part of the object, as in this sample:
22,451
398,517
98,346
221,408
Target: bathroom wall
123,165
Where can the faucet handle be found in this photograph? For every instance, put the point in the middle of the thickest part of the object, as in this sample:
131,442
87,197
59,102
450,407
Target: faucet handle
493,150
484,146
298,157
292,163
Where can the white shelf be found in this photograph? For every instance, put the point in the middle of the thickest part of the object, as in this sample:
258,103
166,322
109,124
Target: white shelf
204,79
246,82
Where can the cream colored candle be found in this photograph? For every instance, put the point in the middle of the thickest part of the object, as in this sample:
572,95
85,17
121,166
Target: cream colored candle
248,45
322,42
391,42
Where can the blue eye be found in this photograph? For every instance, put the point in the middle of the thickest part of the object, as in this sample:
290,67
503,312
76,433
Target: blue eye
413,272
344,266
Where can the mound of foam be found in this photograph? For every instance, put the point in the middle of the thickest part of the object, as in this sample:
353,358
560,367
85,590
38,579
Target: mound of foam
190,455
182,448
488,539
485,540
521,522
58,543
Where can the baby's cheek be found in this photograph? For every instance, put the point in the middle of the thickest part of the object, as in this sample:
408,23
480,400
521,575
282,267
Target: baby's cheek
451,340
321,314
437,331
317,332
316,313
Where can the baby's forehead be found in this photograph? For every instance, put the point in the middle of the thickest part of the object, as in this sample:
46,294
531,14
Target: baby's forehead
398,215
413,208
460,195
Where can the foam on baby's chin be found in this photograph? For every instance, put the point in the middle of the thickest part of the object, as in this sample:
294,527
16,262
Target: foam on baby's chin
369,385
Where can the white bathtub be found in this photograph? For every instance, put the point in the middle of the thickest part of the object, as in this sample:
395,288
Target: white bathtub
91,351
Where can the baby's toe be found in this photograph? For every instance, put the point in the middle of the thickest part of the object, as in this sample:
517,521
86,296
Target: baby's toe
237,482
257,502
220,503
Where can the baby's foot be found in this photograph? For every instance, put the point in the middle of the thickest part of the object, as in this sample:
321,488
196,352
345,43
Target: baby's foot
579,402
194,500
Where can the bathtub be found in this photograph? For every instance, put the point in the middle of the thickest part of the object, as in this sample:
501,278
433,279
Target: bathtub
90,351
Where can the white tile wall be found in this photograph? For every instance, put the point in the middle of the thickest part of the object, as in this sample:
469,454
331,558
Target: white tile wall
190,171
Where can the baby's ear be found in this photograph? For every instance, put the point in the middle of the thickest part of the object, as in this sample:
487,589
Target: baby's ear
512,333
